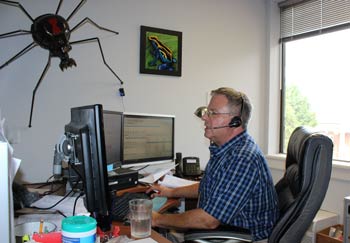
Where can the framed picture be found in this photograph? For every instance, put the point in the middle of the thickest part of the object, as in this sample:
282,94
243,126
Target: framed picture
160,51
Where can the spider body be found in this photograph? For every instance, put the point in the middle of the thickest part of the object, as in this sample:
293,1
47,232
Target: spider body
52,32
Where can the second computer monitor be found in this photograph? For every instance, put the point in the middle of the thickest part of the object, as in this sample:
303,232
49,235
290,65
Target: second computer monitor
113,121
134,139
147,139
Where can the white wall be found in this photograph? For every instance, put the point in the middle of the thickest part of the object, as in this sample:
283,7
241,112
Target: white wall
224,44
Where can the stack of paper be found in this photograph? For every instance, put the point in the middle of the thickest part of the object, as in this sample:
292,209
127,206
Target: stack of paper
173,182
157,173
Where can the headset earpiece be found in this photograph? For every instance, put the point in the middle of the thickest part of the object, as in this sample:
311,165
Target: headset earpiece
237,120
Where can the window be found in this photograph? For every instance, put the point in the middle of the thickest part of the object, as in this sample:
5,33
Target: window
316,74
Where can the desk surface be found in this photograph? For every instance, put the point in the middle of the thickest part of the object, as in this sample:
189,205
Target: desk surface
171,202
125,230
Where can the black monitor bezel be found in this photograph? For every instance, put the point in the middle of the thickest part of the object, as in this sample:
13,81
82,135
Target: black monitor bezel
87,124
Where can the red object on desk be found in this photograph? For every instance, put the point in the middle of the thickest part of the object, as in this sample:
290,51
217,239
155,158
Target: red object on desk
53,237
114,232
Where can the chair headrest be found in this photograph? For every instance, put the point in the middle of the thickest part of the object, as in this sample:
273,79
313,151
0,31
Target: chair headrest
302,146
296,145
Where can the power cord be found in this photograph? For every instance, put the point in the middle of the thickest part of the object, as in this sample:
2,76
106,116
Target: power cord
76,200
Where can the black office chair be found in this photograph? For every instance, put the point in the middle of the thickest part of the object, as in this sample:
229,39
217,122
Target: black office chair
300,191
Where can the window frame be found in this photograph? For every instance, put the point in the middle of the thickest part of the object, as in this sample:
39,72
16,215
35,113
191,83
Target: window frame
276,160
295,26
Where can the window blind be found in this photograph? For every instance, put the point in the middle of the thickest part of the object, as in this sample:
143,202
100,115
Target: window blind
313,17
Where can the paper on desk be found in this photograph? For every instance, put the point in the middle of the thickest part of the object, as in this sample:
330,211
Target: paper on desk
66,206
54,218
173,182
156,175
145,240
11,164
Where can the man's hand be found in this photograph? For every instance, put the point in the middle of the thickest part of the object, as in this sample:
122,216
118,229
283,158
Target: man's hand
190,191
157,190
155,216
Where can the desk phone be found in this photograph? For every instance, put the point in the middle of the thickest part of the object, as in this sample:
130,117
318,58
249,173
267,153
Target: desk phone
191,166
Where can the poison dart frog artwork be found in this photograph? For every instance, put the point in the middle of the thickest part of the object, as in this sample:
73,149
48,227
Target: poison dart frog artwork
160,51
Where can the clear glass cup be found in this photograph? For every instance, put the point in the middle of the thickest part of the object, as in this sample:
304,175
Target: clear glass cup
140,217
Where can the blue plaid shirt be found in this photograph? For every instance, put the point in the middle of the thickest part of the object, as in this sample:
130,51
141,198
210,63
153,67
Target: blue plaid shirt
237,187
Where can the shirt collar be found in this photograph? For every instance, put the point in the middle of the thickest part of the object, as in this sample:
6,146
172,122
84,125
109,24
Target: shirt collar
216,150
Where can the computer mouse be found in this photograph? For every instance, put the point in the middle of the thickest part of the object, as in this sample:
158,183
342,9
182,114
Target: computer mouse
150,193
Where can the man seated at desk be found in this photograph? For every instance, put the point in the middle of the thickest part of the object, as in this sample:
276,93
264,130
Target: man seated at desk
237,187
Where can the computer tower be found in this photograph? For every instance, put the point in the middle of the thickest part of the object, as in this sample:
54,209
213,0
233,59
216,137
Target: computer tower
122,178
346,219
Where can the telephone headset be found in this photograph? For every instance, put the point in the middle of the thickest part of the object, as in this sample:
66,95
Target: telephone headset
237,120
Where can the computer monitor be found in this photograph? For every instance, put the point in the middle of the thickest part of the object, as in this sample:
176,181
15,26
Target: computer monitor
113,121
87,153
147,139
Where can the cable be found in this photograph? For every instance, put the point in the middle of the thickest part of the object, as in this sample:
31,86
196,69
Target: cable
59,212
59,201
123,104
47,181
142,167
75,201
56,202
42,185
53,191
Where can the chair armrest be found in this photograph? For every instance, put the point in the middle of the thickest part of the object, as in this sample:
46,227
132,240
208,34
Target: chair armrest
222,232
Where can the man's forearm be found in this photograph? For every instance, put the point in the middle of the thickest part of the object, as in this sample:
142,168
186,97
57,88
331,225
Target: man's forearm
195,219
190,191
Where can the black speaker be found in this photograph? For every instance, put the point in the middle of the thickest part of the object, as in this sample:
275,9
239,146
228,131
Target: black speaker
178,163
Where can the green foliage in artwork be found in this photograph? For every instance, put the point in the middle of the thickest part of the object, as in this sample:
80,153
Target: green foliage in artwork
170,41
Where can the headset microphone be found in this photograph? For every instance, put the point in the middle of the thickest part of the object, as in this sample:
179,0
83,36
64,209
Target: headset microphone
219,127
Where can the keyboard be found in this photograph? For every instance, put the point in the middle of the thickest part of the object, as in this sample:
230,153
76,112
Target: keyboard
120,204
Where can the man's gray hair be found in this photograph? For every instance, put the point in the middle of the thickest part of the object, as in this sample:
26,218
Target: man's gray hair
238,102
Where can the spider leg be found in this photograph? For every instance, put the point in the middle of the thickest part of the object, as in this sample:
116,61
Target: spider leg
82,2
17,4
15,33
58,7
36,87
99,45
93,23
22,52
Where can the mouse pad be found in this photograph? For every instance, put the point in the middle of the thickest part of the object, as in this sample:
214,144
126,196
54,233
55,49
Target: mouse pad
158,203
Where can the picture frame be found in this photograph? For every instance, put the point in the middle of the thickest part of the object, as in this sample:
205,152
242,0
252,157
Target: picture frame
160,51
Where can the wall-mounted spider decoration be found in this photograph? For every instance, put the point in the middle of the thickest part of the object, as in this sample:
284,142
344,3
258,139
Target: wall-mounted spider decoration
52,32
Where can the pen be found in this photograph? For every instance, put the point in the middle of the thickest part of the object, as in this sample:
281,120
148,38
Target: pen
41,226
